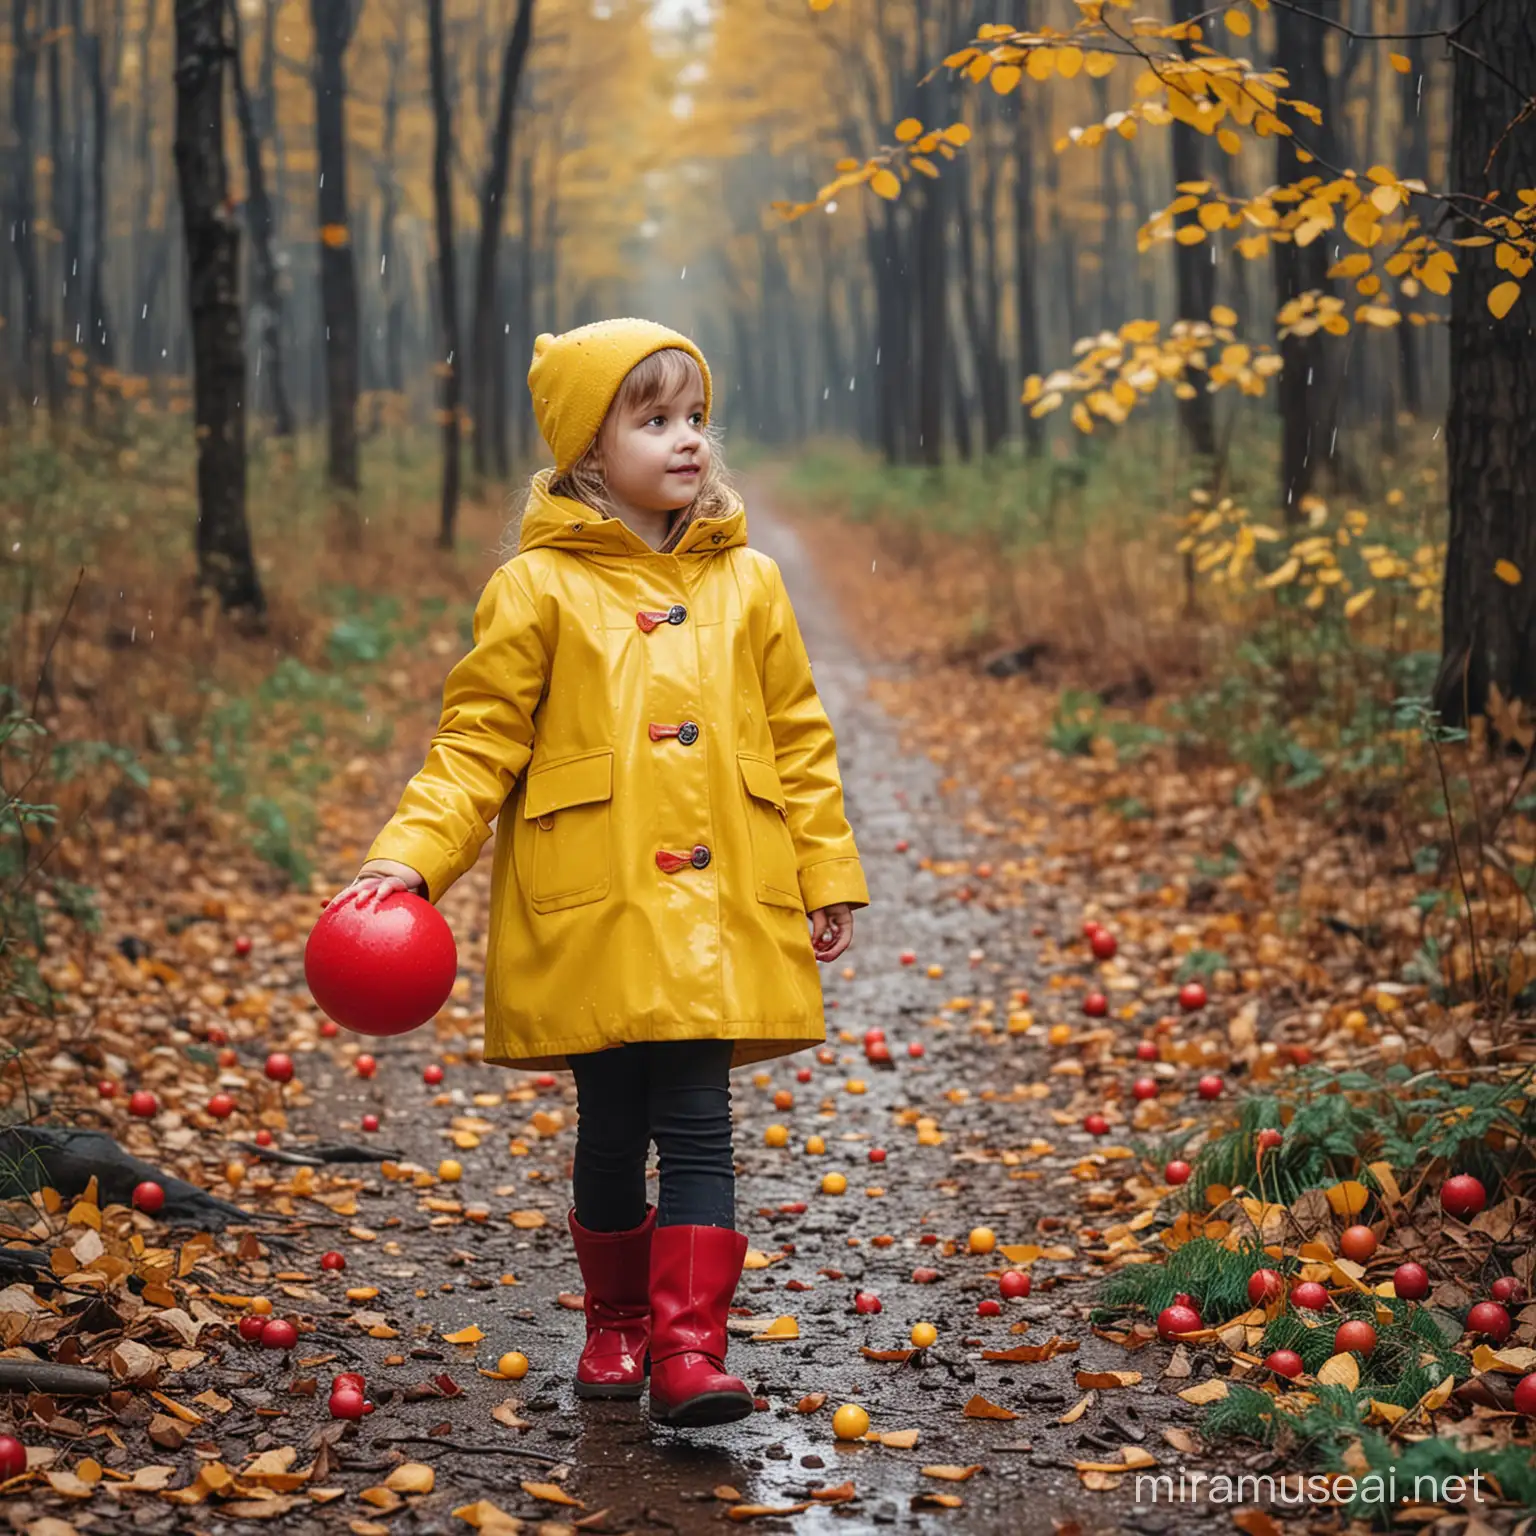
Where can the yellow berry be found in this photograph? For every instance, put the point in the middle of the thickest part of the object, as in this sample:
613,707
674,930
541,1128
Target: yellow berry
776,1136
513,1364
833,1184
1059,1034
850,1422
234,1173
450,1171
855,1085
815,1146
761,1079
923,1334
783,1099
261,1306
982,1240
935,971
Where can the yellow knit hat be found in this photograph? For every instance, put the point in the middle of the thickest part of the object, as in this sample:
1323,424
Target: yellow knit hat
575,375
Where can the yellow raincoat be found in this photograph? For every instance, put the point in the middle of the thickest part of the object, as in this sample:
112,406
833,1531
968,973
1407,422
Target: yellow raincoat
621,703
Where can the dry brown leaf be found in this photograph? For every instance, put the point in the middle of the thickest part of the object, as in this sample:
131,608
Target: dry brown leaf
1182,1440
894,1439
980,1408
1076,1411
485,1516
953,1474
838,1495
470,1335
412,1477
886,1356
756,1511
505,1412
1032,1354
811,1402
527,1221
1101,1482
942,1500
551,1493
727,1495
1106,1379
1211,1391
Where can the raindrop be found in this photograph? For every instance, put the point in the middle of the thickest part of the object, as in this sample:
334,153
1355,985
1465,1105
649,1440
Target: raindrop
826,392
1333,442
382,260
850,386
877,357
682,275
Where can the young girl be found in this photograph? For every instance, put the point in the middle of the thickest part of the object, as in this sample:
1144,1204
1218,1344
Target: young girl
638,707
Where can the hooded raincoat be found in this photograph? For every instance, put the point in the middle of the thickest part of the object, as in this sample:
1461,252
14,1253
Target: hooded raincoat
646,728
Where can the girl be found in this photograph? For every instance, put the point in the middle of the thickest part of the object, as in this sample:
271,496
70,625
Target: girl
638,707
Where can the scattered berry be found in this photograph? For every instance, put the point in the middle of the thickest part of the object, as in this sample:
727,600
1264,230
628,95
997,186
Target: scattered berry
279,1334
432,1074
1410,1282
221,1106
850,1422
513,1364
149,1197
1285,1362
1310,1296
1265,1286
989,1307
280,1067
1177,1172
366,1065
1104,944
1014,1284
1463,1196
1358,1243
1489,1320
143,1104
1209,1086
13,1457
1145,1088
1354,1337
370,1122
1192,996
1095,1125
923,1334
1095,1005
333,1260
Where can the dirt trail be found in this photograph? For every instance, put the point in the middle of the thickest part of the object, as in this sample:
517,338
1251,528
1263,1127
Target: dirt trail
441,1278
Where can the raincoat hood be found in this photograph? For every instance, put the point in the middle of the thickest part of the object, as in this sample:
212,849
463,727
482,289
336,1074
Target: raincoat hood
561,522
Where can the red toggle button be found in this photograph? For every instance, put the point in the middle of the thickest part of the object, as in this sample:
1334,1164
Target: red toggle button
670,863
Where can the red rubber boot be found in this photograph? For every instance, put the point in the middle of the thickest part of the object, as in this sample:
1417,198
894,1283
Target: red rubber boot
616,1269
694,1271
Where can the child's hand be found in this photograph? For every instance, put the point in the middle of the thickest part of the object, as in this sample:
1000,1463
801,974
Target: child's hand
831,930
377,879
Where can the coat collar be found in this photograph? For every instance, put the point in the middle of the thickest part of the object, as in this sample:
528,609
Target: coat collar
561,522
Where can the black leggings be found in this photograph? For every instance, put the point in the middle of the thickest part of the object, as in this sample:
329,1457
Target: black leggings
675,1091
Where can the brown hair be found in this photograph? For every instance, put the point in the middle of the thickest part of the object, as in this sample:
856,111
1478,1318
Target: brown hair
653,378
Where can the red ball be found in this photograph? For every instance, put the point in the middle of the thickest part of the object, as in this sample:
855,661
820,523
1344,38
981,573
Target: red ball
1525,1395
1177,1172
221,1106
545,1080
1013,1283
916,1048
370,1122
1285,1362
803,1075
1090,927
1192,996
1265,1286
149,1197
215,1035
280,1067
1463,1196
252,1326
1410,1282
107,1088
432,1074
1354,1337
243,945
1095,1005
924,1276
229,1058
143,1104
879,1051
1103,944
13,1455
333,1260
1209,1086
902,845
366,1065
1145,1088
1489,1320
872,1035
1310,1296
329,1029
1301,1055
382,969
908,957
1358,1243
347,1404
989,1307
1095,1125
866,1302
1146,1050
1507,1289
263,1137
1177,1319
877,1154
279,1334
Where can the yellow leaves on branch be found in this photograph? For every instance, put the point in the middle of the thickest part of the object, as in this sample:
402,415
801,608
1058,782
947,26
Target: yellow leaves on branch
886,171
1502,299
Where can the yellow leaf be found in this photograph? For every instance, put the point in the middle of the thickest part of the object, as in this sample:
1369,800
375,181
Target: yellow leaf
485,1516
551,1493
1384,1177
1005,77
470,1335
1340,1371
885,184
334,235
958,134
952,1474
1229,141
895,1439
1283,574
411,1477
1098,64
1238,23
1401,63
1068,62
907,130
1221,315
925,165
1080,417
1358,601
1076,1411
1507,571
780,1328
1350,266
1347,1198
1211,1391
1502,299
1378,315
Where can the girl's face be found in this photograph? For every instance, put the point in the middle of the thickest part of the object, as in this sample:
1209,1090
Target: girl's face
654,455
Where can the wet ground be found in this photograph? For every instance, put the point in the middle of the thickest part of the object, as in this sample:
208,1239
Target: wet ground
438,1273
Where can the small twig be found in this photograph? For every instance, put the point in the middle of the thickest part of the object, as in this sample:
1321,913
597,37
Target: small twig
473,1450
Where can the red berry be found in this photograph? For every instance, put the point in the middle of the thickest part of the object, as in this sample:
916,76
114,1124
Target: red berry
1285,1362
432,1074
1410,1282
263,1138
1270,1137
1177,1172
1192,996
1463,1196
243,945
1354,1337
1301,1055
1358,1243
902,845
988,1307
370,1122
1090,927
1103,943
1095,1125
221,1106
107,1088
909,957
1209,1086
1013,1283
545,1080
279,1334
1507,1289
329,1028
1181,1317
1310,1296
877,1154
1095,1005
1525,1395
1146,1050
366,1065
928,1239
143,1104
879,1051
872,1035
803,1075
215,1035
347,1405
13,1457
149,1197
1265,1286
333,1260
349,1381
228,1058
921,1276
916,1048
252,1326
1145,1088
280,1067
866,1302
1489,1320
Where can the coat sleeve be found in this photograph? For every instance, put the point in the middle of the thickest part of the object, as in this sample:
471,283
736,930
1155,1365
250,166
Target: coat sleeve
805,751
482,743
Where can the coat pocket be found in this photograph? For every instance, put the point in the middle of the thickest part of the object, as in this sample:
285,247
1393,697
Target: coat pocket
570,802
773,849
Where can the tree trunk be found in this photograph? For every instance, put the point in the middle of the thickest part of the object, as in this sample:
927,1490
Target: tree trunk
37,339
488,328
448,290
980,325
1415,163
1489,636
224,560
267,299
64,179
1196,275
932,338
1024,274
103,345
334,21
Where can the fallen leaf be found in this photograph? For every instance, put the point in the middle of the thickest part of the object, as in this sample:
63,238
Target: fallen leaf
1256,1522
470,1335
1211,1391
1182,1440
942,1500
886,1356
411,1477
1340,1371
551,1493
755,1511
953,1474
1097,1379
980,1408
1031,1354
780,1328
727,1495
527,1221
838,1495
1076,1411
811,1402
894,1439
506,1413
485,1516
